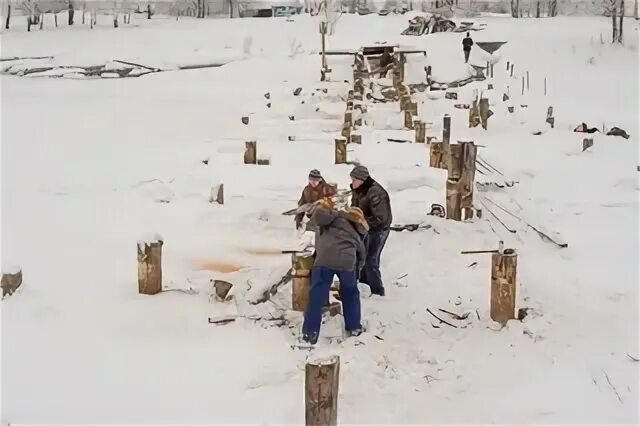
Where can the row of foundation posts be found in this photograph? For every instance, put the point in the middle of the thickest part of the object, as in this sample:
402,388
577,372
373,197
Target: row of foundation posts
353,112
460,162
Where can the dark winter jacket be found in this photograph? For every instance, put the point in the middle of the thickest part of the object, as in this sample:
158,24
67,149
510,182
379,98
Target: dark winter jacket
339,242
374,202
467,43
311,195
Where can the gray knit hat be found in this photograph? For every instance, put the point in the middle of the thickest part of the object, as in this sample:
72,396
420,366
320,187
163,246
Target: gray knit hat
360,172
315,174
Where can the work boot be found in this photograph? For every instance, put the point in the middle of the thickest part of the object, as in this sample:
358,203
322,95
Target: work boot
378,291
310,338
354,333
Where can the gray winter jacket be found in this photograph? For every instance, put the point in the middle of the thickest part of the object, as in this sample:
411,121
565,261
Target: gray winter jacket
339,241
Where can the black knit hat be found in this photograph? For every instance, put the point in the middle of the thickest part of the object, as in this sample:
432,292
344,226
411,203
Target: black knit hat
315,174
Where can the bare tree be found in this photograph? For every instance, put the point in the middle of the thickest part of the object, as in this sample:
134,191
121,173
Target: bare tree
515,8
621,19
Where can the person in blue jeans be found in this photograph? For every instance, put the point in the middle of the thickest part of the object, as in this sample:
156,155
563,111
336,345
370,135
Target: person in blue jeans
340,251
375,204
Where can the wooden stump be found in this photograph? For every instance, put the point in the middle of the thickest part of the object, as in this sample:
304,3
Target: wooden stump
404,102
301,272
484,112
346,131
503,286
150,267
586,144
217,194
348,116
11,282
454,209
321,384
437,156
474,114
408,119
420,131
467,175
341,151
250,152
222,289
356,138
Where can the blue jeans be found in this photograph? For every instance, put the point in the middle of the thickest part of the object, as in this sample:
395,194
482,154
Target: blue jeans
321,279
370,275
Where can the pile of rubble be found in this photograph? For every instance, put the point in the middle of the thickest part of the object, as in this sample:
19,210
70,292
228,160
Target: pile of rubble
438,24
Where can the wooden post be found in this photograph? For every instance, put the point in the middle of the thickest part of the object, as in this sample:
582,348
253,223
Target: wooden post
11,281
71,13
511,70
321,382
527,81
149,10
408,119
340,150
454,210
217,194
491,69
587,143
420,131
346,131
301,272
474,114
436,156
356,138
467,176
6,24
405,100
250,152
84,5
507,65
503,286
484,112
150,266
446,140
348,116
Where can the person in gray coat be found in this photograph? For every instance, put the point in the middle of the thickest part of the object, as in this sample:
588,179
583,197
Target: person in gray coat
340,251
374,202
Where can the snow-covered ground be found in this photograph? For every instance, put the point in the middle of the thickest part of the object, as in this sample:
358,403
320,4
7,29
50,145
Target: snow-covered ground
89,166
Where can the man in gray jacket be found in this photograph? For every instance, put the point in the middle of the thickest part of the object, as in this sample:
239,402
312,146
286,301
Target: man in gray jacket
374,202
340,251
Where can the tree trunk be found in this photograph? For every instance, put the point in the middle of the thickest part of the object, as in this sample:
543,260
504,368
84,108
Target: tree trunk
6,25
614,29
250,152
321,384
621,21
538,9
503,287
340,150
150,267
71,13
149,11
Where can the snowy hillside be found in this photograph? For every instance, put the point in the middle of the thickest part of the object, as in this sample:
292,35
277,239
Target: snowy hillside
89,165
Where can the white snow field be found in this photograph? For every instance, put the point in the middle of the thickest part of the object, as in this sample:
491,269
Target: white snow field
88,166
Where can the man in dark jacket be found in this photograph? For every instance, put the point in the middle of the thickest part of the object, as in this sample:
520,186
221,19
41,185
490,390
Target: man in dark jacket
374,202
466,46
315,190
340,251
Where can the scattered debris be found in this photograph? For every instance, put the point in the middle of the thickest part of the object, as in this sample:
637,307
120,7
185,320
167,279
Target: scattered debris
456,316
583,128
434,24
616,131
297,91
441,320
267,95
222,320
612,387
409,227
451,95
632,358
245,120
